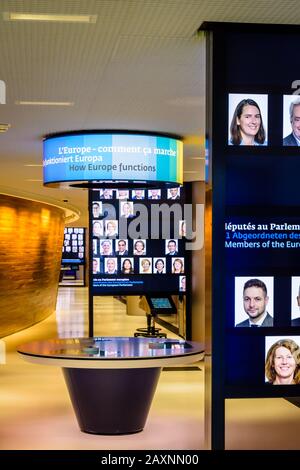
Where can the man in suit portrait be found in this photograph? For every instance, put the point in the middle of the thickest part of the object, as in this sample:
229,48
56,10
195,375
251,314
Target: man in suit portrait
296,321
97,209
174,193
255,301
121,248
111,266
171,247
154,194
293,139
106,193
139,194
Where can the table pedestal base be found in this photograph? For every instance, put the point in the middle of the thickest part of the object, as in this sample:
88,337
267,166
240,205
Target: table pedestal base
111,401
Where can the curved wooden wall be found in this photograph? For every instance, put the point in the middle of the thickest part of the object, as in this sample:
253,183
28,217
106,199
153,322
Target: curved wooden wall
31,238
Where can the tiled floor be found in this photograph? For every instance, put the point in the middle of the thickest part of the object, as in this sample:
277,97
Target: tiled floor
36,413
35,410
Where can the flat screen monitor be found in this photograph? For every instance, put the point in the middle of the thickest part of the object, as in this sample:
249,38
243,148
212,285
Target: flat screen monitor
161,305
73,250
137,242
254,143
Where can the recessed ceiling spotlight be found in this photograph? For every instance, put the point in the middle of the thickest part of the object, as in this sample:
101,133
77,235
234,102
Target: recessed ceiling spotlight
15,16
4,127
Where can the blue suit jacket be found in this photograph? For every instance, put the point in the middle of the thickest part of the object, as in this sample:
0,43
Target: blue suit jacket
122,254
290,140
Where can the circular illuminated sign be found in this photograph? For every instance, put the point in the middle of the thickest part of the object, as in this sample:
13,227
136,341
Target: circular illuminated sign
88,158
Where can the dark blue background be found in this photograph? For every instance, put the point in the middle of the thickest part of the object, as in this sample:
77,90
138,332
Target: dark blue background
256,184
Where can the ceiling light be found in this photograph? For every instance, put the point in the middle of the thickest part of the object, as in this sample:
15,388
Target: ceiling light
196,158
46,103
14,16
4,127
32,164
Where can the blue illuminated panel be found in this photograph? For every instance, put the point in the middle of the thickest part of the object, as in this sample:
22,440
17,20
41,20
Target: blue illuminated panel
106,157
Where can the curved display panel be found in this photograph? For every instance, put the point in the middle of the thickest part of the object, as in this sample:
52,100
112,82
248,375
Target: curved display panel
92,157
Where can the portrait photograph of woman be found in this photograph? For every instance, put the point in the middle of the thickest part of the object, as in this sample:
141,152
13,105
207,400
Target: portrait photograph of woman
178,266
247,119
145,266
282,366
127,266
159,265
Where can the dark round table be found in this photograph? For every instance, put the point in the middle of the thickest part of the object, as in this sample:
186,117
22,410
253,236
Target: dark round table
111,380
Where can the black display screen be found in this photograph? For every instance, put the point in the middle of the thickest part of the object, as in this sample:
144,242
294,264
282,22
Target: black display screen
263,299
256,165
161,305
137,240
73,250
161,302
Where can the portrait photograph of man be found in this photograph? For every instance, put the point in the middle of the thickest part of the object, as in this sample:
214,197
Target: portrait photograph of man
291,121
254,301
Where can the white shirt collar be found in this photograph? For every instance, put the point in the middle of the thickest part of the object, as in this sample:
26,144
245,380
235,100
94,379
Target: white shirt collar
260,321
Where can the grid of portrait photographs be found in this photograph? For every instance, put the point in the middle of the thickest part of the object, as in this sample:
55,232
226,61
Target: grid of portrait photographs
263,317
254,149
74,244
248,120
137,262
262,281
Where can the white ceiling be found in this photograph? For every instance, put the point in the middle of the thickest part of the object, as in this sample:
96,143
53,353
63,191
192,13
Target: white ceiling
141,66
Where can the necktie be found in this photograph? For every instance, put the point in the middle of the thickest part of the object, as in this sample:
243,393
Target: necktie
254,326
